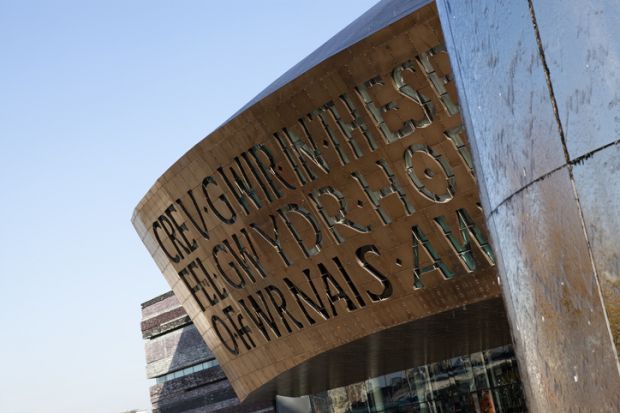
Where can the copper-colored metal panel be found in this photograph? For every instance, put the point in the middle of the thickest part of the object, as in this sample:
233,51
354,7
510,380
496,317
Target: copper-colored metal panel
338,207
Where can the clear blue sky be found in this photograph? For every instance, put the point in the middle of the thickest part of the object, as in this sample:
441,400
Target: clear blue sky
97,99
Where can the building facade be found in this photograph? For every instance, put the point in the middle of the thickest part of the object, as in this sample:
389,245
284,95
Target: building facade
186,376
188,379
410,196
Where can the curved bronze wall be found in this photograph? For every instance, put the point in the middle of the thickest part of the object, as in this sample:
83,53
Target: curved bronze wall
539,84
338,207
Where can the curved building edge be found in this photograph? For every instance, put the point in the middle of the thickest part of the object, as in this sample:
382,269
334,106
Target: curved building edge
336,213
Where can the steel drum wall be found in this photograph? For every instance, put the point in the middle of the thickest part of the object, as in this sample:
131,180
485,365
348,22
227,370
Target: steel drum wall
328,216
539,84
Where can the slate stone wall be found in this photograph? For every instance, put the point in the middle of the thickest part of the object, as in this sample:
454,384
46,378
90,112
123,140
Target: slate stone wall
172,343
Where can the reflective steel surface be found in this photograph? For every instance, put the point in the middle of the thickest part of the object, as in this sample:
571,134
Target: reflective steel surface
537,83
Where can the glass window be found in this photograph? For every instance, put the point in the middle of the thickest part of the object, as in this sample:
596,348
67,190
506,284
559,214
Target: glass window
374,389
462,374
358,397
481,380
420,384
397,392
339,400
501,366
478,383
441,382
485,401
422,408
320,403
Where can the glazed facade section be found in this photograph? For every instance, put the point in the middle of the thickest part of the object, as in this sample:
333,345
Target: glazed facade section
482,382
340,206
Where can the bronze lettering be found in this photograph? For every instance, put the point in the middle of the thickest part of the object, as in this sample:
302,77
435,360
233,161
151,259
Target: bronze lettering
328,282
273,241
470,234
286,211
428,173
232,347
304,299
419,238
280,306
241,330
387,291
202,227
340,217
232,215
375,196
259,313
